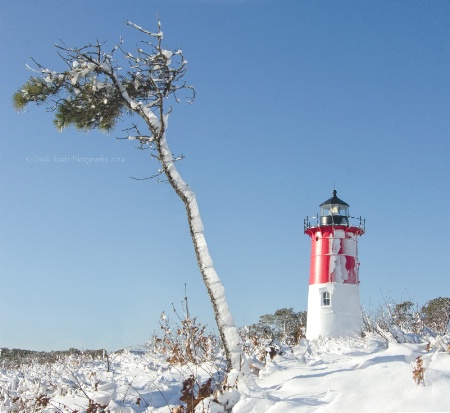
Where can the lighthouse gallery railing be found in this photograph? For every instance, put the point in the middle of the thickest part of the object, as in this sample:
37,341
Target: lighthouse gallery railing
347,222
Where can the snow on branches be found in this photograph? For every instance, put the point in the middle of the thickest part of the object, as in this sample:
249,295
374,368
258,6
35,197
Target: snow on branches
95,91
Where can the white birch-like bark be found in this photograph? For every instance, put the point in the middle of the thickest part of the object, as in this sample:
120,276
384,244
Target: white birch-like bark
225,322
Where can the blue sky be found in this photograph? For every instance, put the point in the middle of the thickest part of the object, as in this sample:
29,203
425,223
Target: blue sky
293,98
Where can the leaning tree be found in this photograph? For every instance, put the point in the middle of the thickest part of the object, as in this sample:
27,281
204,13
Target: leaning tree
100,86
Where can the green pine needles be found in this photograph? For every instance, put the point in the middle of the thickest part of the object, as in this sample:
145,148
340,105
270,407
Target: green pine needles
35,90
83,102
96,91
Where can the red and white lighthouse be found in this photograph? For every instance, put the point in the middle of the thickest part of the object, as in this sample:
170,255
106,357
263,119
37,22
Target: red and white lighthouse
334,307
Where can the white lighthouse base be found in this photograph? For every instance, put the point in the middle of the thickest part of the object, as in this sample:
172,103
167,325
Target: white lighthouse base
334,310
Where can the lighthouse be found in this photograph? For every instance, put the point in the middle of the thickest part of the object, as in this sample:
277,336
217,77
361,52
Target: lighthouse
333,299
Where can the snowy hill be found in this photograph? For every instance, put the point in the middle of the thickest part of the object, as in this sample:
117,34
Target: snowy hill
340,375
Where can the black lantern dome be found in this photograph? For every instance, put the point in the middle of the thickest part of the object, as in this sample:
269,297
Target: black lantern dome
334,211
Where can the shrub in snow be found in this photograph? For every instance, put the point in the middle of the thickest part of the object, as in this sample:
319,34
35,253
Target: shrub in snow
70,384
405,323
209,397
436,315
192,393
186,346
260,346
285,325
185,342
419,371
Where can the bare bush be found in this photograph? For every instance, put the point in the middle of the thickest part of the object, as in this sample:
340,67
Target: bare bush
406,322
185,341
419,371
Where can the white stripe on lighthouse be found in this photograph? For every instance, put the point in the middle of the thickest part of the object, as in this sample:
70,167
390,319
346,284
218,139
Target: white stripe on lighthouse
341,318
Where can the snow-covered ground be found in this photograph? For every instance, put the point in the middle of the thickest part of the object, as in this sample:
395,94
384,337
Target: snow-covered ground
342,377
336,375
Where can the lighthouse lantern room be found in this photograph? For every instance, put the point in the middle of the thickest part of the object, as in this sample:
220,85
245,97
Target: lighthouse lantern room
333,299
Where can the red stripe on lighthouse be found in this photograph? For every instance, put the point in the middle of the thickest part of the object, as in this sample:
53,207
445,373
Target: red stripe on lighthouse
334,254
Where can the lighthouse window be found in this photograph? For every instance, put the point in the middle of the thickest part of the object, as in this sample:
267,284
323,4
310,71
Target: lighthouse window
326,298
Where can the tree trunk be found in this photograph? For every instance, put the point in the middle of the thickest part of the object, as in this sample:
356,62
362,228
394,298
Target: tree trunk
225,323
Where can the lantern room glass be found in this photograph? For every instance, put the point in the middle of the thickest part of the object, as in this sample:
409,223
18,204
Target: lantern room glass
334,214
334,209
